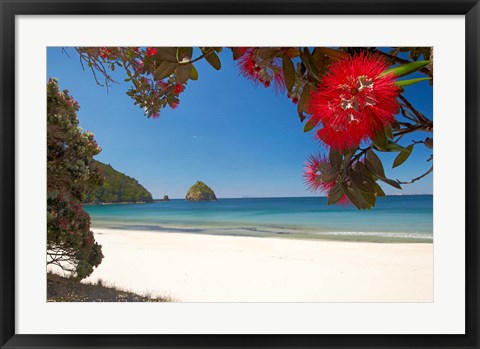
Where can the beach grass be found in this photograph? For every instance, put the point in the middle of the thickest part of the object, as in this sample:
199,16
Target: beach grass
62,289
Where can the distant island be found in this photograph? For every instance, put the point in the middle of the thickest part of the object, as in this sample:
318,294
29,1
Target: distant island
117,188
200,192
165,198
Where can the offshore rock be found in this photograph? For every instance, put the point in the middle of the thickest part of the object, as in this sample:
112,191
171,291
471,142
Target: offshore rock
200,192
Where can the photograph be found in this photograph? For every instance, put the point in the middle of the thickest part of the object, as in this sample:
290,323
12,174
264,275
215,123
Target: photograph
240,174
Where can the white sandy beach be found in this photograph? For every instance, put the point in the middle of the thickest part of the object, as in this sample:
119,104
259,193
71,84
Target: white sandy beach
207,268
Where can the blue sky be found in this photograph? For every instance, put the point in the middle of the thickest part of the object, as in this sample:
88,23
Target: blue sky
239,139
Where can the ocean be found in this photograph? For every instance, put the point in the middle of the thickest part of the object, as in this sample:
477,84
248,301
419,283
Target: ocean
407,218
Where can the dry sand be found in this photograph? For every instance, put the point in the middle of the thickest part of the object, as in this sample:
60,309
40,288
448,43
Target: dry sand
207,268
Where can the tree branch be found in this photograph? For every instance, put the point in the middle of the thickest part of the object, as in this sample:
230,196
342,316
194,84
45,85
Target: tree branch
417,178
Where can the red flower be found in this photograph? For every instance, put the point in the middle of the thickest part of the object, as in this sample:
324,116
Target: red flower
151,51
174,105
104,52
313,176
293,97
247,64
178,88
353,102
260,70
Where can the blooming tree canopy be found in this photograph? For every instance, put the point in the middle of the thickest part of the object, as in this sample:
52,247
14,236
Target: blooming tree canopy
71,173
351,99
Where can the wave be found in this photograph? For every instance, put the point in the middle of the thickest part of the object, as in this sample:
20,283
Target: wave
409,235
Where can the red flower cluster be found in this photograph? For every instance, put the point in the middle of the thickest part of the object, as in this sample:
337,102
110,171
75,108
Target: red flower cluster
178,88
151,51
260,71
313,177
104,52
354,102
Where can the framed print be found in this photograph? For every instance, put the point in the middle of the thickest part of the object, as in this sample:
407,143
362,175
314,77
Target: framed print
236,174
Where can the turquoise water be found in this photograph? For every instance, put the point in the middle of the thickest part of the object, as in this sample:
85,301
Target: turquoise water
395,218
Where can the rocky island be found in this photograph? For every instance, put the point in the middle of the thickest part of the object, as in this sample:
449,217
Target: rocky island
200,192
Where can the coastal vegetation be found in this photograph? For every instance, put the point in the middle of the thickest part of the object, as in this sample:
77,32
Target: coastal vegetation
200,192
61,289
71,245
116,188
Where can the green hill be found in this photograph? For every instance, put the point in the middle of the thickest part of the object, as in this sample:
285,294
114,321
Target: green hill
117,188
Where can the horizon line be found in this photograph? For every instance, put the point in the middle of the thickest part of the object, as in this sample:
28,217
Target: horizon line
285,197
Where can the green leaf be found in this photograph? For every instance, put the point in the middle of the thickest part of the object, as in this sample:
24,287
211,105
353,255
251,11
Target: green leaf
325,167
236,52
378,189
403,156
193,73
332,53
288,72
363,171
164,69
335,158
354,197
389,132
214,61
303,102
335,194
374,164
330,176
391,182
405,69
381,140
364,184
370,198
310,124
392,146
183,72
184,54
168,54
308,61
404,83
266,52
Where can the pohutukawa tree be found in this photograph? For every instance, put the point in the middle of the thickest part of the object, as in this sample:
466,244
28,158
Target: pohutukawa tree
350,98
70,174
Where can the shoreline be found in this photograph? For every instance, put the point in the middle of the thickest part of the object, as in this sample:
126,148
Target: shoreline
281,233
193,267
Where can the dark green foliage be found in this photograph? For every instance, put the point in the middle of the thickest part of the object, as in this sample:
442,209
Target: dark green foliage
70,242
117,188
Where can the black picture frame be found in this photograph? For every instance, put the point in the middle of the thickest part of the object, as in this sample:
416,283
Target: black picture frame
10,8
